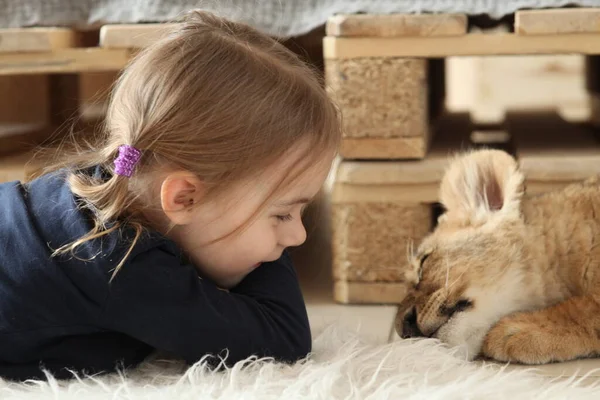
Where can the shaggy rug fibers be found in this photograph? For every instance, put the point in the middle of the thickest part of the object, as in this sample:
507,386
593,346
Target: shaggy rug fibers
342,366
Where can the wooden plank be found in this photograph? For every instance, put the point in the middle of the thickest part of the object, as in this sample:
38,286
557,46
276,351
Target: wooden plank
557,21
16,137
553,153
592,86
24,99
474,44
390,25
595,109
64,61
36,39
94,90
409,192
592,73
384,148
398,181
410,181
369,293
128,36
64,98
501,83
16,167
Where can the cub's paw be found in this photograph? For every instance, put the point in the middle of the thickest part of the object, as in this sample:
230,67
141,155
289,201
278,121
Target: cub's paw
513,339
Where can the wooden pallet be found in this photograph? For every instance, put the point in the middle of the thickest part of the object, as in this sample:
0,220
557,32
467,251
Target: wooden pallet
380,207
68,73
378,68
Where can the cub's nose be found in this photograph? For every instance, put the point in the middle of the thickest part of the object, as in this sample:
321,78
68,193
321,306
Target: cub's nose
409,325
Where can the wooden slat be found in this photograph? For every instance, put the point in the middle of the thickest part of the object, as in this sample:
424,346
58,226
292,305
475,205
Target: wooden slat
389,148
15,137
368,25
35,39
500,83
64,61
127,36
369,293
551,152
94,89
475,44
595,109
24,99
555,21
16,167
404,181
407,172
410,181
64,101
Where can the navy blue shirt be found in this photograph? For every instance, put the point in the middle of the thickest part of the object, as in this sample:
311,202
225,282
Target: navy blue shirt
63,313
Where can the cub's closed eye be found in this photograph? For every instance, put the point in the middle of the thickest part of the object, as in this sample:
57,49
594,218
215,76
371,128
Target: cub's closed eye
425,257
459,306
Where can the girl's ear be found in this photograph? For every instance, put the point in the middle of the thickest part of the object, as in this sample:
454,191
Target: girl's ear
481,183
179,192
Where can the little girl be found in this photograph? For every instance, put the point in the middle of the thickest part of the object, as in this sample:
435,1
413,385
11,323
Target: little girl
169,231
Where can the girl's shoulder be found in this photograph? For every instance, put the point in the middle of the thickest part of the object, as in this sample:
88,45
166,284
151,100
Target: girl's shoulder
38,217
59,218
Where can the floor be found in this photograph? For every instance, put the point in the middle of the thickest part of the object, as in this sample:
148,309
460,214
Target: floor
375,322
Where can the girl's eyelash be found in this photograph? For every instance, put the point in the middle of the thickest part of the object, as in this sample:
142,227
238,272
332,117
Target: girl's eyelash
286,217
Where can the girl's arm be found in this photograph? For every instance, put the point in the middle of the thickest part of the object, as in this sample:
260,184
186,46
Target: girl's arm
168,306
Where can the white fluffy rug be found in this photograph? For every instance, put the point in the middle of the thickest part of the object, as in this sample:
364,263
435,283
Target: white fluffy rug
341,367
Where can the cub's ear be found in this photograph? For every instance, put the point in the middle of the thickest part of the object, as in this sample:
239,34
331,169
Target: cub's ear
481,183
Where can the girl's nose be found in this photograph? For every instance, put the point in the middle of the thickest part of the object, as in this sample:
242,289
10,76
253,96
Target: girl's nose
293,235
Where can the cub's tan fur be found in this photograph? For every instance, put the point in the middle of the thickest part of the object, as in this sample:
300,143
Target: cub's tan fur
512,277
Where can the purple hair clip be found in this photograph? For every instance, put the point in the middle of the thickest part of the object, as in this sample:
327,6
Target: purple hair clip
126,161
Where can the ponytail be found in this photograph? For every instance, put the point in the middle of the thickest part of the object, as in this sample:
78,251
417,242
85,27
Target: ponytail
110,201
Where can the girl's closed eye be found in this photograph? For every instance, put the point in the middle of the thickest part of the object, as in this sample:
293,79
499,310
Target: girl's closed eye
286,217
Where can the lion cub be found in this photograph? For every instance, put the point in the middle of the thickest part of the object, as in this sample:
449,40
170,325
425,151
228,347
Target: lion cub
505,276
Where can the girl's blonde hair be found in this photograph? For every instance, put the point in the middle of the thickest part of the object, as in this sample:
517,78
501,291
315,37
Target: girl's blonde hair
216,98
